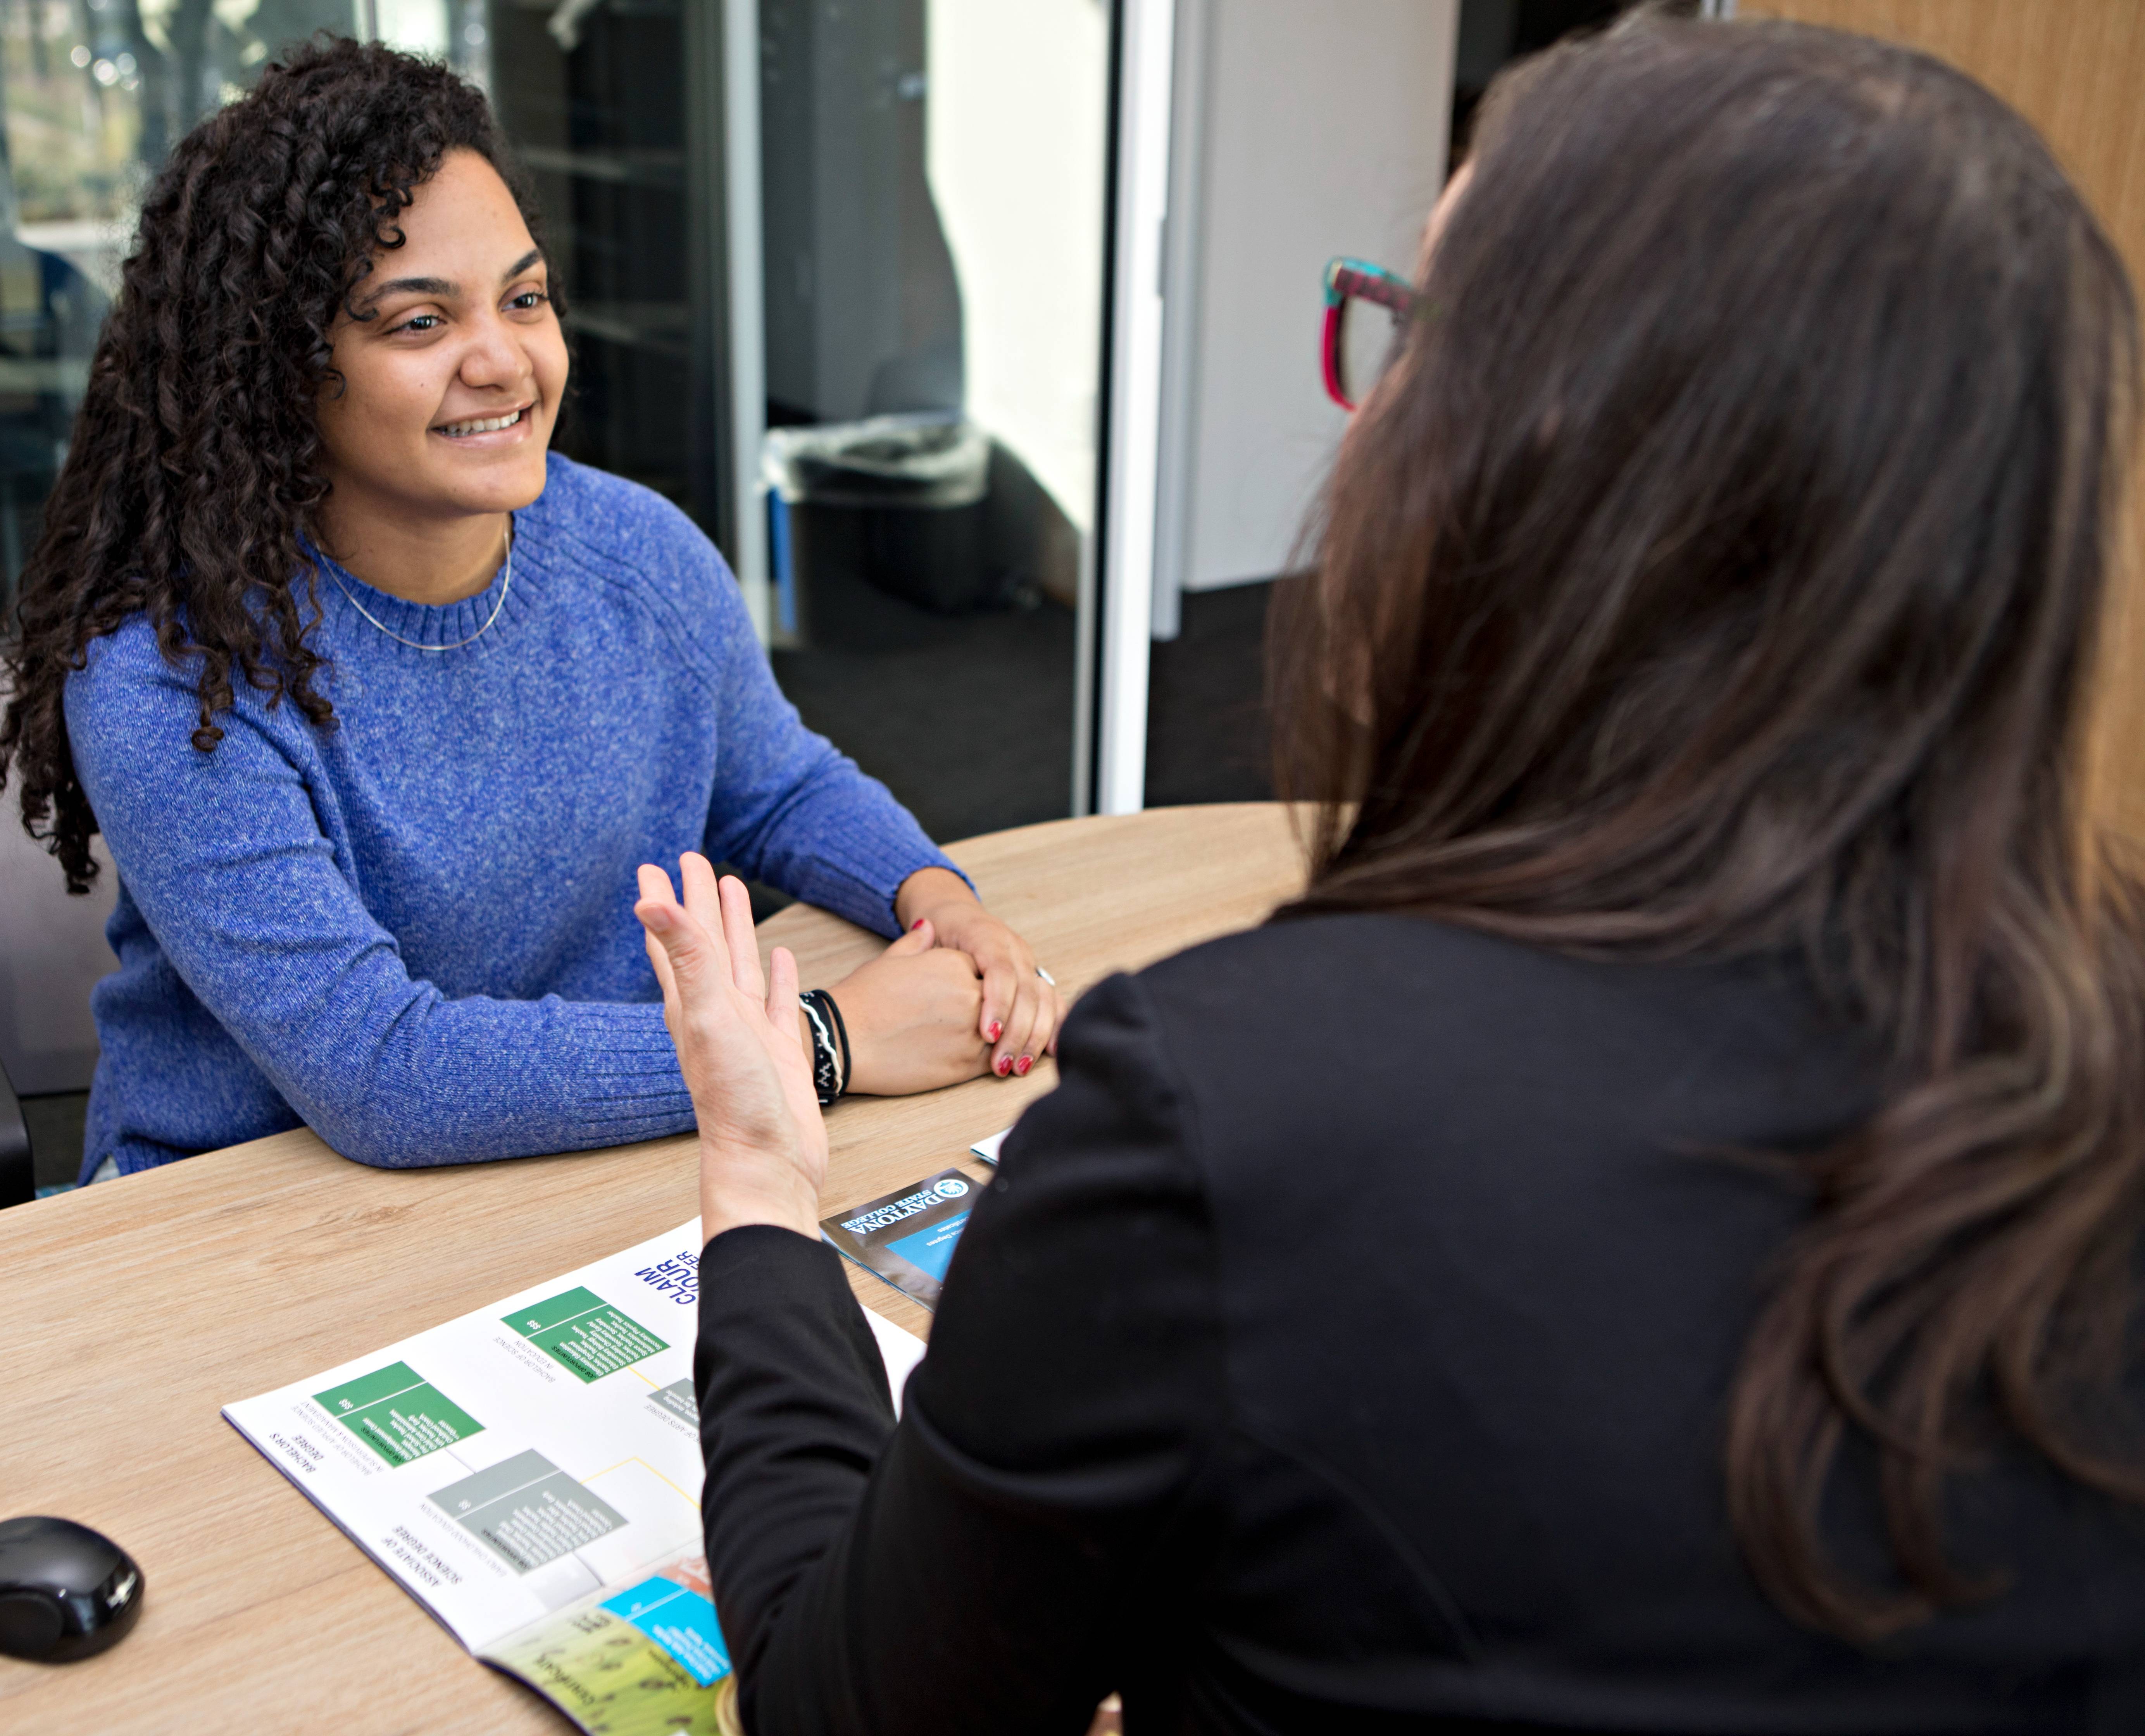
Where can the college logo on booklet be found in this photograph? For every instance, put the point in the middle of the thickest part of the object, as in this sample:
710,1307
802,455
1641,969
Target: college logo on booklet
907,1238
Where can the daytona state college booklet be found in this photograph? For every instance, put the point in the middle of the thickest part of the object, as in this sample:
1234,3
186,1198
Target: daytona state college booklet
907,1238
530,1474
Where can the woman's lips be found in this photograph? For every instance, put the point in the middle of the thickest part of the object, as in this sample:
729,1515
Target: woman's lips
485,428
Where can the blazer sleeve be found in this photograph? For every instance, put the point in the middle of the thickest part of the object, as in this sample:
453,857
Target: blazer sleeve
993,1562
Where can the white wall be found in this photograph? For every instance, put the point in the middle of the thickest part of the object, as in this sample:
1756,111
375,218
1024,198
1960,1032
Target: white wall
1015,147
1324,129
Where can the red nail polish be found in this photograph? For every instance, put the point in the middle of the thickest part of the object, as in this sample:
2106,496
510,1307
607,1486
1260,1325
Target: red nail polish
997,1029
1005,1065
915,925
1024,1064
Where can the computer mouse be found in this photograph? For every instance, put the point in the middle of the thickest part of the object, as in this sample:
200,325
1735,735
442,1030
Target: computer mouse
66,1591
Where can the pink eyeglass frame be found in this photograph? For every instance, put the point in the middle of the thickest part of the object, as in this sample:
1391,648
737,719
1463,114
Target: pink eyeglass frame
1356,280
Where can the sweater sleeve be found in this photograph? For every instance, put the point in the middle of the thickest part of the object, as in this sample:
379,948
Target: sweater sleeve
226,859
788,807
998,1559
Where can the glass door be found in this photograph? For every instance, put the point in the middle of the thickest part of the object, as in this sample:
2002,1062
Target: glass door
934,182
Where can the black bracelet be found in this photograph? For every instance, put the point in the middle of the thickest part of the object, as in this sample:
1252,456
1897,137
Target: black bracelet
830,1044
841,1031
827,1079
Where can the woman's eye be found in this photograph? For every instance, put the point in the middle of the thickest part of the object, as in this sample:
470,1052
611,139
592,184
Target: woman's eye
421,322
528,300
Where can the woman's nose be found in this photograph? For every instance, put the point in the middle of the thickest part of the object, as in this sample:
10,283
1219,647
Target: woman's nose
494,358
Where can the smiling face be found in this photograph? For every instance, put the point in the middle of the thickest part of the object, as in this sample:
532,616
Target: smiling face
451,388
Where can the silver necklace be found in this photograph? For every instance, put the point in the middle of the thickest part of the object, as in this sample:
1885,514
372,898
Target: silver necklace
506,579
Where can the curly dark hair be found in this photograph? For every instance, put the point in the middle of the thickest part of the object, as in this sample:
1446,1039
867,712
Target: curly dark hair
193,481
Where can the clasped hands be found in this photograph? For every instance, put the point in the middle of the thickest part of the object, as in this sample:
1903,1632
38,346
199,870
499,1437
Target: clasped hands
920,1015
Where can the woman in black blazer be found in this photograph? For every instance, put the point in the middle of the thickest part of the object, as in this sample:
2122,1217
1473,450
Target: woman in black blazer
1646,1243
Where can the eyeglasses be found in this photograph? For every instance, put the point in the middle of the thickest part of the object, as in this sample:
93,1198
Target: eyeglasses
1348,282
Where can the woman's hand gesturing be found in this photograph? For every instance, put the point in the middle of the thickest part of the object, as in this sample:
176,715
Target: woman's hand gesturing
762,1144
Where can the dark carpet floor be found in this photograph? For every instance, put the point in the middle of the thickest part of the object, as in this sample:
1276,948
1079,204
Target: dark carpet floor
1206,715
968,718
55,1125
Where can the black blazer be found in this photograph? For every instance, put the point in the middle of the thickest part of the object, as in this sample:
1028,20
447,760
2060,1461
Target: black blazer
1342,1347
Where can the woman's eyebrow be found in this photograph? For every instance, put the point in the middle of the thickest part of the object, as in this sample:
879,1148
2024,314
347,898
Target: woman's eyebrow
442,287
410,286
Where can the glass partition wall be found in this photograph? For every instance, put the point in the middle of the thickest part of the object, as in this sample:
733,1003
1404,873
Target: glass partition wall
933,191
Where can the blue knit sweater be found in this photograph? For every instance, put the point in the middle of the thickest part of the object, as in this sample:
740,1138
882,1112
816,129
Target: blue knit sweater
413,930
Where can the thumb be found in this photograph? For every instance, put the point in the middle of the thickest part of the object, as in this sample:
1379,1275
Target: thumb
921,938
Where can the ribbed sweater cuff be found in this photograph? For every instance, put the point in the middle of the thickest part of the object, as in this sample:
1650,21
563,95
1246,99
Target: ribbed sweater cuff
634,1089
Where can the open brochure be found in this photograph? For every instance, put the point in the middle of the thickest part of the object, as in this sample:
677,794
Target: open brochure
530,1474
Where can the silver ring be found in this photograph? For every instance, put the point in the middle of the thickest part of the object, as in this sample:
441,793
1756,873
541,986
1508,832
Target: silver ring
1046,976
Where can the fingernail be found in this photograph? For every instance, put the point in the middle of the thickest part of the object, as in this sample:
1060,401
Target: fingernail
1005,1065
915,925
1024,1064
994,1031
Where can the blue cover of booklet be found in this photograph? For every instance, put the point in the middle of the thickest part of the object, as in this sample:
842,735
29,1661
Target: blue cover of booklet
907,1237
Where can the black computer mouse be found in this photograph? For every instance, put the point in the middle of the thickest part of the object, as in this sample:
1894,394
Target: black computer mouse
66,1591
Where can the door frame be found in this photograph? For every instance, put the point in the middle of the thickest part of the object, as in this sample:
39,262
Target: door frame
1143,61
742,375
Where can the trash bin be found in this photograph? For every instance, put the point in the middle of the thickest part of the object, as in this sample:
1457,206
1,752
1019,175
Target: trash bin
903,496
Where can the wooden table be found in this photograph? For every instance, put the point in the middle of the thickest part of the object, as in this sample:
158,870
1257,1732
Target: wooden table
139,1308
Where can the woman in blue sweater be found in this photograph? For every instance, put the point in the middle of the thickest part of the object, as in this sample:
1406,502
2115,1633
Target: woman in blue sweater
378,704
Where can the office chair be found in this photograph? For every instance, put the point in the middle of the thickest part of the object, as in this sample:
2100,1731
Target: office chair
52,953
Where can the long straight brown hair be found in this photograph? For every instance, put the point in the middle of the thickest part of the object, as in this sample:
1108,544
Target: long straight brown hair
1721,567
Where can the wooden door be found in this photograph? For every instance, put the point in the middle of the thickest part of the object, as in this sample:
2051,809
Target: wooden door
2076,69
